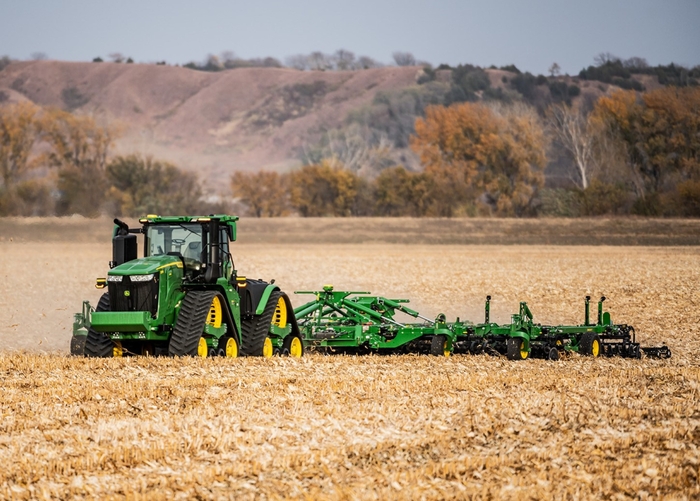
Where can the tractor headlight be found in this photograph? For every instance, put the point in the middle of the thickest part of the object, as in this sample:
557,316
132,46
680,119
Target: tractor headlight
141,278
114,278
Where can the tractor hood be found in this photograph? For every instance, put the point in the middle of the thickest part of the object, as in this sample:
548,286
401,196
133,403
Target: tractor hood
146,265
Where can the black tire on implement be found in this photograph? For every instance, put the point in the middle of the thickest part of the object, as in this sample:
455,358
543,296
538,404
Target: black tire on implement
438,346
513,349
254,330
189,326
590,345
77,345
98,344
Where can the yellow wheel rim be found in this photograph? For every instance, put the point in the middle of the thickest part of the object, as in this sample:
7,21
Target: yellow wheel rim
118,350
445,350
595,348
523,351
215,313
279,319
267,348
295,348
202,348
231,348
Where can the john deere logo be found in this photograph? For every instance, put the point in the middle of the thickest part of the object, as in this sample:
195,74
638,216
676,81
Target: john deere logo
127,293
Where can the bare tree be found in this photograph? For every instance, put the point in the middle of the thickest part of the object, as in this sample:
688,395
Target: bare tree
366,62
356,148
344,59
574,133
298,62
635,63
116,57
605,58
404,59
319,61
228,56
554,70
38,56
4,61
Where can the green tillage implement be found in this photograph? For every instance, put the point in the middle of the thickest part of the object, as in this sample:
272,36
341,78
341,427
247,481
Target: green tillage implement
338,322
356,321
523,338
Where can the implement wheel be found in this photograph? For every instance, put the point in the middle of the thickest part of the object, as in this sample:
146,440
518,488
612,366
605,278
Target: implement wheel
228,347
254,330
438,346
515,349
98,344
293,346
195,312
590,345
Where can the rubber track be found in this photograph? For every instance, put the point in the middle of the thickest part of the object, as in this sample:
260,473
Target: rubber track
255,330
98,344
190,323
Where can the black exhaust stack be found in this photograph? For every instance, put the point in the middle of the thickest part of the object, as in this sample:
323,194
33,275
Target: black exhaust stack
214,264
124,245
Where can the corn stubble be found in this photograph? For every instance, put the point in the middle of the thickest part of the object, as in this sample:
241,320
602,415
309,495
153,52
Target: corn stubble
372,427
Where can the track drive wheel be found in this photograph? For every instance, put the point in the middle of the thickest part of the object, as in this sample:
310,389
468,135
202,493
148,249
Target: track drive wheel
255,341
439,347
293,346
98,344
515,349
590,345
195,311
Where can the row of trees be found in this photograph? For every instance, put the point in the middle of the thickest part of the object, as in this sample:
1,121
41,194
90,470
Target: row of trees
632,154
340,60
54,162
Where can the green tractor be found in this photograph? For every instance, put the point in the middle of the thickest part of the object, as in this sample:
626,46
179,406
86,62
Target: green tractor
184,297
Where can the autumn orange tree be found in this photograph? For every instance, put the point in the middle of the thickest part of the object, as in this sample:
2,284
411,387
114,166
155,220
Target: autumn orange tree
488,158
660,130
325,190
399,192
18,134
264,193
17,137
143,185
78,147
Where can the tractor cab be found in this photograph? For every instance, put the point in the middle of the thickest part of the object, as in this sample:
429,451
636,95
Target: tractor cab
190,242
201,244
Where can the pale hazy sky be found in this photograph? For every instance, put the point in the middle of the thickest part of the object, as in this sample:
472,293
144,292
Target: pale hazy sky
530,34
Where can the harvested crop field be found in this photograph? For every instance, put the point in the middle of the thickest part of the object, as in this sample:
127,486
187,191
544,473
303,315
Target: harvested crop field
374,427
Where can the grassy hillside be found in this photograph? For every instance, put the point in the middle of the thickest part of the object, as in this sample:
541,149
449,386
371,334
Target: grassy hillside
244,119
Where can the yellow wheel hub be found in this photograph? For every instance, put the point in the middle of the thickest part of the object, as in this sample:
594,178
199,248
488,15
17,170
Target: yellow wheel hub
279,319
595,348
295,348
523,352
215,313
267,348
231,348
202,348
118,350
